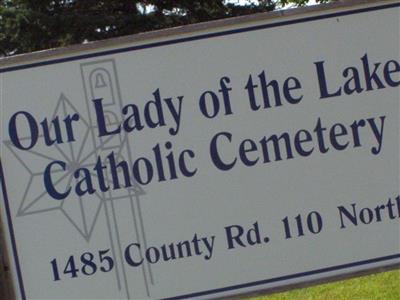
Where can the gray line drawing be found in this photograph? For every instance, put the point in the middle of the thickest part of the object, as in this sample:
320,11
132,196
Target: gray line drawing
38,202
99,81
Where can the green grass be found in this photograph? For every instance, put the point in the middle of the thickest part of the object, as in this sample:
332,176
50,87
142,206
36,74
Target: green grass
382,286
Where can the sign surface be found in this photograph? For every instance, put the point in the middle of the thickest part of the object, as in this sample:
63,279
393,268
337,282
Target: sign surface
206,164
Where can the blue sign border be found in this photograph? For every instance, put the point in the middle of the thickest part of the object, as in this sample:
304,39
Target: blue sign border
177,41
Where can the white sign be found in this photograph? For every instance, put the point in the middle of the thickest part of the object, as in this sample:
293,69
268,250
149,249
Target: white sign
209,163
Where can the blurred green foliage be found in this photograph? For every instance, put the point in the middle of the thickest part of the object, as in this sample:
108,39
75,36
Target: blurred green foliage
31,25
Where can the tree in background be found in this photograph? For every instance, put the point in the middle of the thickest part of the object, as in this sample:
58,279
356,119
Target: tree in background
31,25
